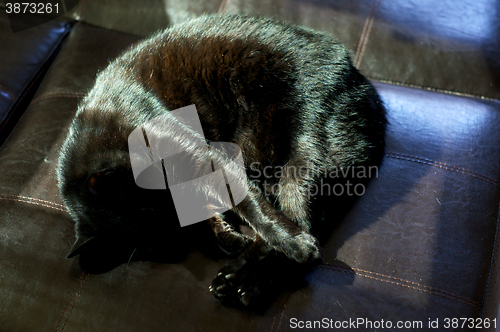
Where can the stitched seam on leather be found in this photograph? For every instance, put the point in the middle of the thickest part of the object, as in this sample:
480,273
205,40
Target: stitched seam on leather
450,92
444,164
34,203
363,40
438,293
406,281
69,300
281,318
362,37
487,292
59,95
285,300
448,167
440,163
35,199
31,81
431,290
274,318
223,6
76,299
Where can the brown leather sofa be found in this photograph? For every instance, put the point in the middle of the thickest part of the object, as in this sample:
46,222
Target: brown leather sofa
420,245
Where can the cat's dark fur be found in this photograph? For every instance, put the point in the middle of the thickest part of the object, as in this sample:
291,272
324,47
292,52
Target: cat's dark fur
286,95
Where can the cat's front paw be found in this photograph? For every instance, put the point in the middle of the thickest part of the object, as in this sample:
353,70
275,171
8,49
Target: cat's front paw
303,248
233,243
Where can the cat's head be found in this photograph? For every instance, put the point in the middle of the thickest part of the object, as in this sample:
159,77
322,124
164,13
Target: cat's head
98,188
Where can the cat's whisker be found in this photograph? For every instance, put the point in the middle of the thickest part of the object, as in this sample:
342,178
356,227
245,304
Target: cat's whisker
133,252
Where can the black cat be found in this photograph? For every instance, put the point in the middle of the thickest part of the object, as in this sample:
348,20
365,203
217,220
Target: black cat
288,96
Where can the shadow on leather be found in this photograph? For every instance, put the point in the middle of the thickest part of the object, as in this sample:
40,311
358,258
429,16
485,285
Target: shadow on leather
172,246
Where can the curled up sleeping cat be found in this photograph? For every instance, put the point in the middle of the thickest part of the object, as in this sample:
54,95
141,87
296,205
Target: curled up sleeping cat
287,96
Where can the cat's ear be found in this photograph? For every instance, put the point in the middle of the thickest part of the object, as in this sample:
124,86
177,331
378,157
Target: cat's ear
101,182
80,244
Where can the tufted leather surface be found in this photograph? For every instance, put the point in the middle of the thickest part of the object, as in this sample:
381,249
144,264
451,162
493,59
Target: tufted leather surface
421,244
445,45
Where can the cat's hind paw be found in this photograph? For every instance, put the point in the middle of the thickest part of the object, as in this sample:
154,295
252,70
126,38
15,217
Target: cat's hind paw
249,283
231,291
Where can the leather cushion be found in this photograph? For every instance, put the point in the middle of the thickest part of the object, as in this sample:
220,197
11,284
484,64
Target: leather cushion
24,64
417,245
